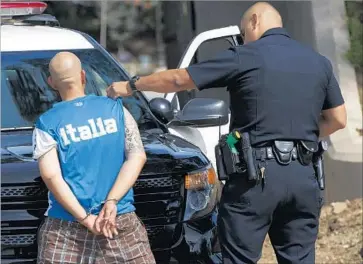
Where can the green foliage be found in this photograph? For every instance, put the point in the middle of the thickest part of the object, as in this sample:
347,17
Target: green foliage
126,20
355,26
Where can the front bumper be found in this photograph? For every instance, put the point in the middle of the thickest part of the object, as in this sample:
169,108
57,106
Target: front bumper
192,242
189,242
195,241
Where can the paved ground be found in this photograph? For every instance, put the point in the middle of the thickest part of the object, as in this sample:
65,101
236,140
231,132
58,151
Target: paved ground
343,180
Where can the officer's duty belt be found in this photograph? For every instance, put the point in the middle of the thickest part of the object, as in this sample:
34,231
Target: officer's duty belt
306,152
286,151
266,153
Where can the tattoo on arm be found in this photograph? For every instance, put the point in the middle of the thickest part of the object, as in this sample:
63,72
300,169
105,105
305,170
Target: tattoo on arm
133,143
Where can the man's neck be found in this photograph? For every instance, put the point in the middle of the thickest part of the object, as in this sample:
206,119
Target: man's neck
71,95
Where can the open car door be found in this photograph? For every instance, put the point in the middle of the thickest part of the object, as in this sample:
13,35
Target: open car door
204,137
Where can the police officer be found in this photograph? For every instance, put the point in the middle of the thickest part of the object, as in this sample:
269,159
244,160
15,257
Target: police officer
281,92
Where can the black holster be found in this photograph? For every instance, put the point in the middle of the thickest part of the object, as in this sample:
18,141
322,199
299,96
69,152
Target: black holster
221,170
305,151
318,162
227,162
312,152
249,158
319,172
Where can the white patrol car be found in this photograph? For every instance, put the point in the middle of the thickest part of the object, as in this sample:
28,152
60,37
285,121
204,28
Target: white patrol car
47,35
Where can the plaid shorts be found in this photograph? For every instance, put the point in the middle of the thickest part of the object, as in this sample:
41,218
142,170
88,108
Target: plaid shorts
61,241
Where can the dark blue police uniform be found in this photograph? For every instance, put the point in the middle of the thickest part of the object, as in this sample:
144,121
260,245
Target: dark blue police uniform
278,88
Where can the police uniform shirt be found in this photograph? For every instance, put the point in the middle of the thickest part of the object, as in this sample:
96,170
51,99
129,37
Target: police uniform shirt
89,134
278,87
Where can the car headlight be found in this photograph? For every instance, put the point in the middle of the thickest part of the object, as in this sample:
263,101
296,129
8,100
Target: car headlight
201,193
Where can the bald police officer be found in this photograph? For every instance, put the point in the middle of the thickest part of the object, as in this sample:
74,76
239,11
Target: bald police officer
281,92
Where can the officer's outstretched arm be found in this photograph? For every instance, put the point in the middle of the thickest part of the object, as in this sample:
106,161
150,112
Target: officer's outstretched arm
332,120
166,81
162,82
215,72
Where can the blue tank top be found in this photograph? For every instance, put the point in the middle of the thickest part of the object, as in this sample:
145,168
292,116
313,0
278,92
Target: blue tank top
90,136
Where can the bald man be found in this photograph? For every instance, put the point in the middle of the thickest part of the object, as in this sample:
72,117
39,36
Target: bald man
285,96
90,155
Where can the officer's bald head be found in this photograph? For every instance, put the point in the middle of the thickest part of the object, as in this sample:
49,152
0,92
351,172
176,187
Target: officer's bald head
258,19
66,74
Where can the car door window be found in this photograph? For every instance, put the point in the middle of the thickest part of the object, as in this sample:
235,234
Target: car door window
205,51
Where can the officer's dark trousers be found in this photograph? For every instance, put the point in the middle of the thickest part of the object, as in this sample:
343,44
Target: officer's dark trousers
287,208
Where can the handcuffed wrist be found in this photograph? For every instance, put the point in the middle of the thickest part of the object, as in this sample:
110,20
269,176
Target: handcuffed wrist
114,200
83,219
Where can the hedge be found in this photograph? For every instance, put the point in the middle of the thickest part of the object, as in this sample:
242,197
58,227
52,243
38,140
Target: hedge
355,27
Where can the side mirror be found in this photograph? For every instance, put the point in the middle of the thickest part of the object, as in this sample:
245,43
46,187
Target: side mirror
162,109
203,112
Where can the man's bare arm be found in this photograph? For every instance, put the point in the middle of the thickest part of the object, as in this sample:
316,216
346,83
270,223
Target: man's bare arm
51,174
162,82
135,159
332,120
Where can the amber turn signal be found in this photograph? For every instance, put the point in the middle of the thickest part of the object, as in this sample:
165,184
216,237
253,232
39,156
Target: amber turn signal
200,180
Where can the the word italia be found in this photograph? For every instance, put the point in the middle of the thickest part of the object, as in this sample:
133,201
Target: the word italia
94,129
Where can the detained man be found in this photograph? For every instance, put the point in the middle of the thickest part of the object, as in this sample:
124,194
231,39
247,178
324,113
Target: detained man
90,155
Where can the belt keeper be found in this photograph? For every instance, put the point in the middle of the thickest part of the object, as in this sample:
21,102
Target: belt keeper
269,153
294,153
263,154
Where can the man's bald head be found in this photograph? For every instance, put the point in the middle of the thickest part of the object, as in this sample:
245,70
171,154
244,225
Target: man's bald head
66,73
258,19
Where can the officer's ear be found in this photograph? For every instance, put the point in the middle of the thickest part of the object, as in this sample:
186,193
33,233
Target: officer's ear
254,21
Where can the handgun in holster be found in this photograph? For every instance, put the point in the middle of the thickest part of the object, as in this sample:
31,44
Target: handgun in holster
227,155
229,151
318,163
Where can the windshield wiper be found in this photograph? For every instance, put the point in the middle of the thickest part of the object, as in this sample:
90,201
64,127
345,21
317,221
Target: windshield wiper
16,128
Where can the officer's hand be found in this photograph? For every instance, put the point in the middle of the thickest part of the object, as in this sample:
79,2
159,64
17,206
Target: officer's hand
119,89
106,220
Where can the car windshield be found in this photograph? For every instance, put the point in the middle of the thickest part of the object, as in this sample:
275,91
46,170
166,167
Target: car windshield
25,93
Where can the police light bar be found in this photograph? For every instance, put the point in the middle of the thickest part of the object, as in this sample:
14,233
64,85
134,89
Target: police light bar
13,9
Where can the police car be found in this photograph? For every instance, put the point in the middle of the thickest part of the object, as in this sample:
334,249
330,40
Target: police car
177,192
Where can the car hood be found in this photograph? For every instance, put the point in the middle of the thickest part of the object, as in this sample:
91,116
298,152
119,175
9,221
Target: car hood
165,153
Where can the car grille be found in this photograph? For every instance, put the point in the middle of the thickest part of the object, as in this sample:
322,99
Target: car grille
158,201
18,240
26,192
162,182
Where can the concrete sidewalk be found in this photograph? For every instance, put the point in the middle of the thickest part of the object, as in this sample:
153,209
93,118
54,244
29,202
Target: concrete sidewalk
332,38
